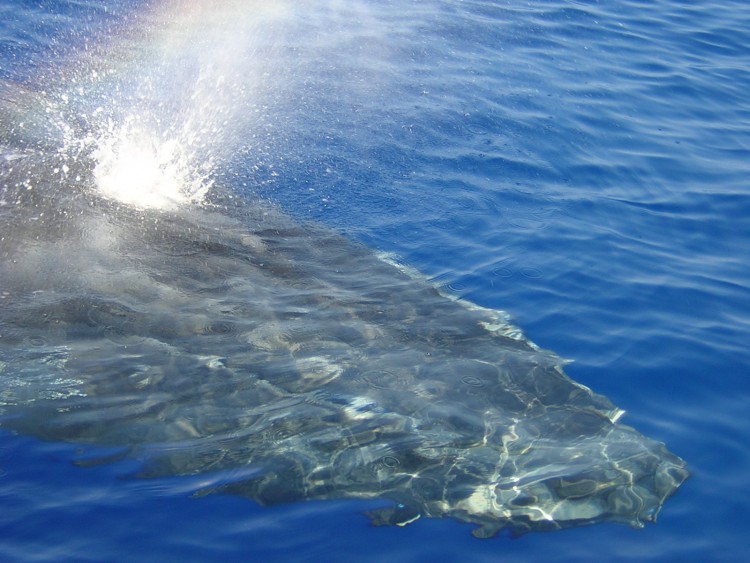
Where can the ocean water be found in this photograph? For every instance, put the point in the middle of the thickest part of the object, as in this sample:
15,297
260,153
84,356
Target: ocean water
584,166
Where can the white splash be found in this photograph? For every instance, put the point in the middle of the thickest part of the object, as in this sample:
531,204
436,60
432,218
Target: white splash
175,99
152,115
147,170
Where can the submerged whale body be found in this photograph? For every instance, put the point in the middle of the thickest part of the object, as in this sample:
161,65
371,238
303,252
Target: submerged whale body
223,335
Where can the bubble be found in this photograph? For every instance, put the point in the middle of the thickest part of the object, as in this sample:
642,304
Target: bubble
455,287
477,129
472,381
219,327
383,379
122,335
104,313
532,273
390,461
509,272
502,272
528,223
273,436
37,341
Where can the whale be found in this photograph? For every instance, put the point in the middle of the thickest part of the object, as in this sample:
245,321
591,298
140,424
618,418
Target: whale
225,335
196,328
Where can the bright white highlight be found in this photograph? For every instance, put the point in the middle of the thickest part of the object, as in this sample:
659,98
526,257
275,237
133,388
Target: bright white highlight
137,167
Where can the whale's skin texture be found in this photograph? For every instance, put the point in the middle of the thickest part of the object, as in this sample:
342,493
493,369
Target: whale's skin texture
225,336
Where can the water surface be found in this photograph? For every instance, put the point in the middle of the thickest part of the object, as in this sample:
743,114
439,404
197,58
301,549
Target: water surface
582,166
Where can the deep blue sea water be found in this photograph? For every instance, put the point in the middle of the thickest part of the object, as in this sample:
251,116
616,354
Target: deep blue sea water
584,166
